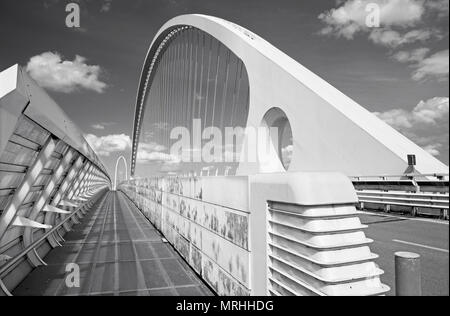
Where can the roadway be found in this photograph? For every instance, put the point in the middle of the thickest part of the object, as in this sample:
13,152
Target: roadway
118,252
429,238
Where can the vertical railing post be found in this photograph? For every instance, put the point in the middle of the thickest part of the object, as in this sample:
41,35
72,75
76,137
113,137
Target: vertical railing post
79,180
49,217
87,183
43,200
22,190
78,172
76,193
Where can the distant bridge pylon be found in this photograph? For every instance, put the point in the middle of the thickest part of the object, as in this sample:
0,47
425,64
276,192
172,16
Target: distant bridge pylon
116,168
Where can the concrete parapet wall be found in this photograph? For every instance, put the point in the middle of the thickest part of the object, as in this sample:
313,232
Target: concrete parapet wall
272,234
212,238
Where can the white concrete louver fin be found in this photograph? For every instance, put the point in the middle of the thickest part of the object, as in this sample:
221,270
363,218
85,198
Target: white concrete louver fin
68,203
52,209
320,250
25,222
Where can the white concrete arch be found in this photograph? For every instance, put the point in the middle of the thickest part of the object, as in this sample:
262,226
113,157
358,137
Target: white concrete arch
331,132
121,158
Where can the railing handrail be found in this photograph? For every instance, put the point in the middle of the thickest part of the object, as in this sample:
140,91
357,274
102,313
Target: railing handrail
406,194
432,201
412,175
41,239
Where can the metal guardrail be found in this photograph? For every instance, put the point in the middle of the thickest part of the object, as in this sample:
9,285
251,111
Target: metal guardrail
429,176
407,192
5,268
405,201
437,183
436,201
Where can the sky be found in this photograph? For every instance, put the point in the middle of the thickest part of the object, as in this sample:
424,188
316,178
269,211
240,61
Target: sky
398,70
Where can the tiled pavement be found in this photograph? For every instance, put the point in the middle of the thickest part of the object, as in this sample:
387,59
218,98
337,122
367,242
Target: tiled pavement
118,252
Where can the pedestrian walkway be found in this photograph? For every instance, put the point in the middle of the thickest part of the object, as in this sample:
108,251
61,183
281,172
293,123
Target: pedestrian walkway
118,252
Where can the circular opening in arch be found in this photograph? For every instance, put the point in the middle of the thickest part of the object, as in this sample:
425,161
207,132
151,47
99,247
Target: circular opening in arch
280,134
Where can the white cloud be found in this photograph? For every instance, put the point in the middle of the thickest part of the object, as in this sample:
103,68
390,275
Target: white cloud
350,17
426,124
429,112
156,156
106,6
102,125
439,7
153,153
394,39
105,145
386,37
397,118
286,154
50,71
152,146
98,126
416,55
402,22
433,149
434,66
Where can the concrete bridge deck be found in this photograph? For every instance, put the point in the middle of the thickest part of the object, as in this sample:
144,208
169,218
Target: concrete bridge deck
119,253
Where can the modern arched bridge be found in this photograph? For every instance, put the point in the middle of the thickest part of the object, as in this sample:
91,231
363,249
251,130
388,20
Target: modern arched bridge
271,161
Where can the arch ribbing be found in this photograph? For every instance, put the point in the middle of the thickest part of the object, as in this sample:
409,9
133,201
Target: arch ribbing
191,76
